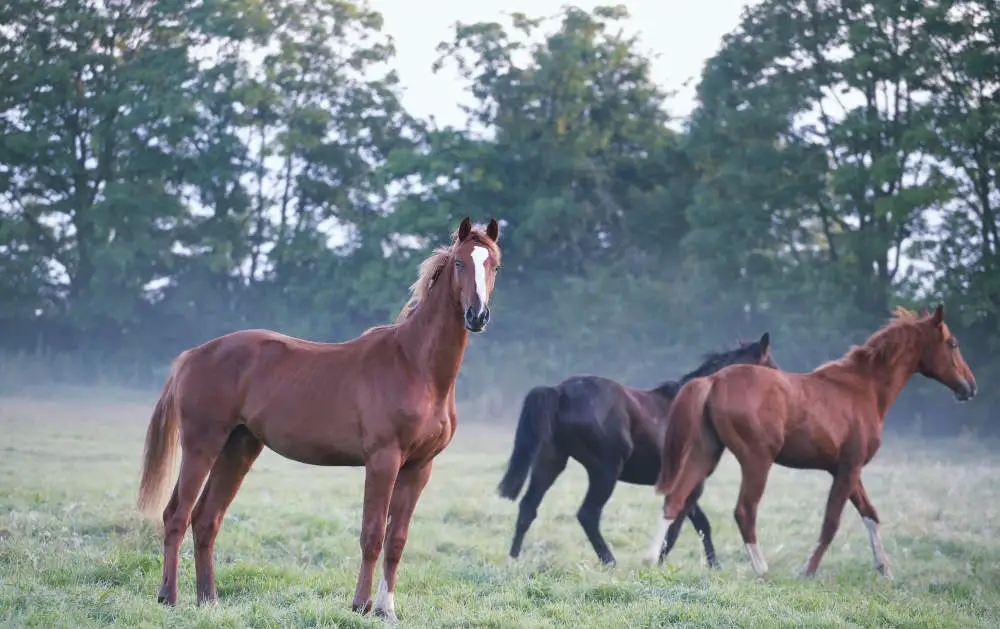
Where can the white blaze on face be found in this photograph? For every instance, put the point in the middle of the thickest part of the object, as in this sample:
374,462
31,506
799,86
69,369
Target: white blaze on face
479,255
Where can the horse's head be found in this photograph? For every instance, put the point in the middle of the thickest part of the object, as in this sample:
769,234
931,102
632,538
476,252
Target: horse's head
941,359
477,259
754,352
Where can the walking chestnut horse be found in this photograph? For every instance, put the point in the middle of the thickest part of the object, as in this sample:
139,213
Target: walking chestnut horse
614,431
384,400
830,419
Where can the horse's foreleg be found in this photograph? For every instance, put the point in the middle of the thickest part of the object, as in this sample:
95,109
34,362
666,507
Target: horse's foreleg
381,470
235,460
843,486
755,469
409,484
602,484
870,517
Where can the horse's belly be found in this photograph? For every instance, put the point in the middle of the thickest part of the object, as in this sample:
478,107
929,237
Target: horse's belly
641,469
798,462
802,455
310,444
312,455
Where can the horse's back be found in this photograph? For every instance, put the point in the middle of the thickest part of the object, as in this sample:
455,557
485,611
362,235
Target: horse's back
751,385
797,415
253,368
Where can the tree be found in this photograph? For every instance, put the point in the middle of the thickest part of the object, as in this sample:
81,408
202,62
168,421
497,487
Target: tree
96,101
567,142
814,129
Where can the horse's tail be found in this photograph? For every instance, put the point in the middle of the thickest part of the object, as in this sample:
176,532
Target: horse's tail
684,425
160,452
538,412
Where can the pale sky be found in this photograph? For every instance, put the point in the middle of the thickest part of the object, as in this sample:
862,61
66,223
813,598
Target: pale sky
679,36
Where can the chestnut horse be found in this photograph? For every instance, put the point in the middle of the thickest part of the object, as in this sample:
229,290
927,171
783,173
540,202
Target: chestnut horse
614,431
384,400
830,419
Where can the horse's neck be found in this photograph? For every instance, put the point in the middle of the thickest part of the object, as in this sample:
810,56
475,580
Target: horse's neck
888,377
436,335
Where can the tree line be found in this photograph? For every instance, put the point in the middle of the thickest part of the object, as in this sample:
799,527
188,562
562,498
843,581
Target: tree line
171,171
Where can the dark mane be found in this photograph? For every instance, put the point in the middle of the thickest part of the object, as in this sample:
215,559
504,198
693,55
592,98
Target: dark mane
711,361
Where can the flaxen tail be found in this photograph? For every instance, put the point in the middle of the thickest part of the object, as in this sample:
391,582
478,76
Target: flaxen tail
162,440
684,426
538,411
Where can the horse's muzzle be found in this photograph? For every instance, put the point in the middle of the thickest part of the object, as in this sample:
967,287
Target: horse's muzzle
965,391
476,322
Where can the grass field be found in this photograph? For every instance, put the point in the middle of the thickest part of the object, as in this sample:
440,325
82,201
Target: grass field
74,554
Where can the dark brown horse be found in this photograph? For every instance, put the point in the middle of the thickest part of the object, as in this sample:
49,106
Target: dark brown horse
829,419
384,400
615,432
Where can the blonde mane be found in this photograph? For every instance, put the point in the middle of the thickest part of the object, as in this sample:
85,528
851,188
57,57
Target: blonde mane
431,268
885,343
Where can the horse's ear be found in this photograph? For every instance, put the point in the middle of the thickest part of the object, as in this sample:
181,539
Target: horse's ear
938,317
464,229
926,312
493,229
765,342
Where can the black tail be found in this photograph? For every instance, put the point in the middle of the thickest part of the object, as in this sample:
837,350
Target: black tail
533,428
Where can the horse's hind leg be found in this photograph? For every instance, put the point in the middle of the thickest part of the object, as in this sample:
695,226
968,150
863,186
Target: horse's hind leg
409,484
548,465
704,528
870,517
603,479
755,470
701,524
200,445
239,453
676,506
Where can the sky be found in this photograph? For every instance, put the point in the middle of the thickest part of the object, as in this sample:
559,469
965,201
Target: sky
678,36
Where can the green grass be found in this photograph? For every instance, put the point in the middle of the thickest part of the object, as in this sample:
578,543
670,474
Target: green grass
74,554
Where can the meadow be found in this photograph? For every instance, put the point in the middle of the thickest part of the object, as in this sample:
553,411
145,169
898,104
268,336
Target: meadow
73,552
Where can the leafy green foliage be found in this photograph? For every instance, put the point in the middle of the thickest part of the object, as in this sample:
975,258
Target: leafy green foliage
171,171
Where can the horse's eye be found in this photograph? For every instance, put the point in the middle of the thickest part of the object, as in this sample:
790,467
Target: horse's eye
952,343
459,264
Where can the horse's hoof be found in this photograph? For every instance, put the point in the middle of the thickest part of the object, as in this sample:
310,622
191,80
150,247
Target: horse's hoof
361,608
163,600
885,572
387,615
